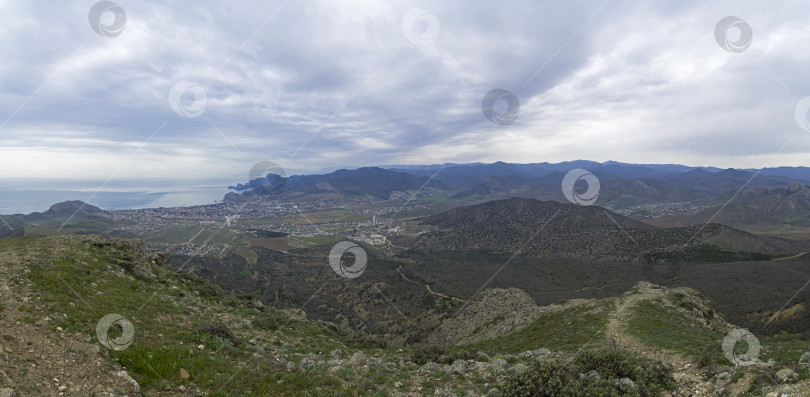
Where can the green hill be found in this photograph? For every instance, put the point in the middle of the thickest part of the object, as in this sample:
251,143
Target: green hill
173,333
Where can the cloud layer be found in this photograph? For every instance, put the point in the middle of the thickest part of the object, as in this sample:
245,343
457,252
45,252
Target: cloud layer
320,84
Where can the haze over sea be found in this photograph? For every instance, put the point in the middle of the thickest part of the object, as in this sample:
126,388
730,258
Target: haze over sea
23,196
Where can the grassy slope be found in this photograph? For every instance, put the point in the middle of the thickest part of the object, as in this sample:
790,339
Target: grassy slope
75,277
567,330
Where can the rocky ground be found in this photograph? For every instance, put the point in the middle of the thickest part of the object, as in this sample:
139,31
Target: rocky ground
40,356
40,359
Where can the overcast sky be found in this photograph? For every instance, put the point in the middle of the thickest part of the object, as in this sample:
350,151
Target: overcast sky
314,84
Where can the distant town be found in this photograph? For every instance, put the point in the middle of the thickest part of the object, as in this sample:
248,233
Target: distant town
364,219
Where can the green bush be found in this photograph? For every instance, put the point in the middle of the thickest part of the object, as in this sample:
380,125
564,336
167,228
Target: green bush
270,320
426,354
439,354
559,379
220,331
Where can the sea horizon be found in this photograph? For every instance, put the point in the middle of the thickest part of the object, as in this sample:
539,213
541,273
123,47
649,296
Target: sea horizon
24,196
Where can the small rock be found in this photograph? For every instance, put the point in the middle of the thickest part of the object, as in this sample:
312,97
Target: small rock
128,379
307,362
430,367
459,367
184,374
518,368
494,392
337,354
498,363
786,374
201,347
683,378
358,358
181,388
626,382
591,375
804,361
6,392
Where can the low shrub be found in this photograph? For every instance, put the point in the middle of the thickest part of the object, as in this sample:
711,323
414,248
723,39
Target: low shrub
568,379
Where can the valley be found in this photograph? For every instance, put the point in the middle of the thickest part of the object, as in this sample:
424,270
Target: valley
437,249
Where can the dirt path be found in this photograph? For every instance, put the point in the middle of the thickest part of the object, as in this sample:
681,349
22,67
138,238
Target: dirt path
195,236
430,291
789,257
616,331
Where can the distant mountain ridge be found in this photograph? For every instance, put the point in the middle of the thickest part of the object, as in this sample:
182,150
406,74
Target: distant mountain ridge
753,205
624,183
373,181
536,227
607,169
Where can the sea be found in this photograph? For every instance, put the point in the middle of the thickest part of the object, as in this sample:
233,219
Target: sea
24,196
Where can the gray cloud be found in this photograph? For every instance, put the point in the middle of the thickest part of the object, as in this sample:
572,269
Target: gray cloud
339,81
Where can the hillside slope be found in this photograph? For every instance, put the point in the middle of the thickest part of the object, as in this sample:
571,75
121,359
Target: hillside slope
567,230
188,336
676,326
179,335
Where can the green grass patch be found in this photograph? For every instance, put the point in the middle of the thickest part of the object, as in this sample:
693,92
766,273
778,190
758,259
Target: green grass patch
194,235
567,330
250,255
101,277
330,216
320,240
51,231
662,327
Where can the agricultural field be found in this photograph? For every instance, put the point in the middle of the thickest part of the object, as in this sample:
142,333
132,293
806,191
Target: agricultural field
331,216
277,243
194,235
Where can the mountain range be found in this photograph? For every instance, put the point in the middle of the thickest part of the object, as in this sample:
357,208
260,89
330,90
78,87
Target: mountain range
770,196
